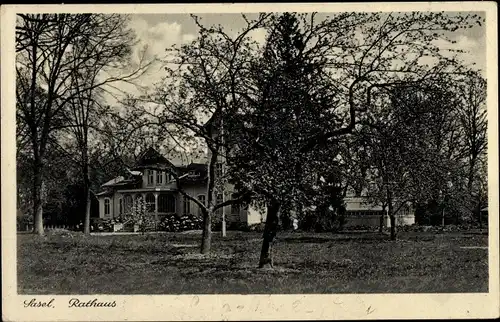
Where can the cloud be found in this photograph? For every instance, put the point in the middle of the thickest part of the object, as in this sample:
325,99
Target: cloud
474,50
152,42
259,35
158,37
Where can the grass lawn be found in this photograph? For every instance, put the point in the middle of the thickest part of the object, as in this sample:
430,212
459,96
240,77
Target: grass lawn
305,263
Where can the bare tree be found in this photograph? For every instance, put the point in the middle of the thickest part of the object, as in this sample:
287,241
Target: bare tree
473,121
48,58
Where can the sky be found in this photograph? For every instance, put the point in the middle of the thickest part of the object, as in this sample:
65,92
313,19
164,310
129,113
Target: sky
161,31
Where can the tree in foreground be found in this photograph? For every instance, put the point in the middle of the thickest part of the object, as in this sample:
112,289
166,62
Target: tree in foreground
332,68
201,90
292,102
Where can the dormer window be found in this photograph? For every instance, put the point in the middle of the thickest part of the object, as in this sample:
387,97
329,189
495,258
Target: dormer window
193,173
150,177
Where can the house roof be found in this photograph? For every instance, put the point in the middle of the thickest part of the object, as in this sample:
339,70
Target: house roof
200,170
104,193
151,157
114,181
196,166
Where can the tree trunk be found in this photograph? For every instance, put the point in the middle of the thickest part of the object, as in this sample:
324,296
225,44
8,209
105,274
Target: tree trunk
393,226
381,221
86,186
270,230
392,219
286,221
38,198
223,222
87,211
206,239
390,213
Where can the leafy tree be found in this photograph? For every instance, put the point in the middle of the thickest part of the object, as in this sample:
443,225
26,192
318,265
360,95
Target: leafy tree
410,143
473,127
292,101
310,83
138,215
202,86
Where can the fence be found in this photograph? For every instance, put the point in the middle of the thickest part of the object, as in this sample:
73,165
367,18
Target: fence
55,227
30,227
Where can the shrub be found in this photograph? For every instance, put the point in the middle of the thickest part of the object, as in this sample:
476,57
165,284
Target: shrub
23,220
259,227
101,224
322,221
174,223
138,215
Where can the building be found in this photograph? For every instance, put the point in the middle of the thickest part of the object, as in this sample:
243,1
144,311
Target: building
360,212
151,180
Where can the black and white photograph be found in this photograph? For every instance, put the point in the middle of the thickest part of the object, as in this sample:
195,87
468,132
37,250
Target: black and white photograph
260,150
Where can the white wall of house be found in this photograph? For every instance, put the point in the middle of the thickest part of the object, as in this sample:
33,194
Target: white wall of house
255,215
194,191
403,220
101,207
102,201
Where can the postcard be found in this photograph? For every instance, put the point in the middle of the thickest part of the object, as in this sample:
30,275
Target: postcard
249,161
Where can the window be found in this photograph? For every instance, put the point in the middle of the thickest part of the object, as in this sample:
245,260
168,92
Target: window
187,206
201,198
235,208
150,177
159,177
150,202
218,201
106,207
127,202
121,205
218,170
166,203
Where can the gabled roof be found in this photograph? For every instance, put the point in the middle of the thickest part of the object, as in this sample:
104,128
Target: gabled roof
122,182
113,181
196,166
152,158
199,168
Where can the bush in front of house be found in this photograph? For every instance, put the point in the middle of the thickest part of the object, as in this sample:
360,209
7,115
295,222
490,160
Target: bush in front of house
101,224
174,223
323,220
